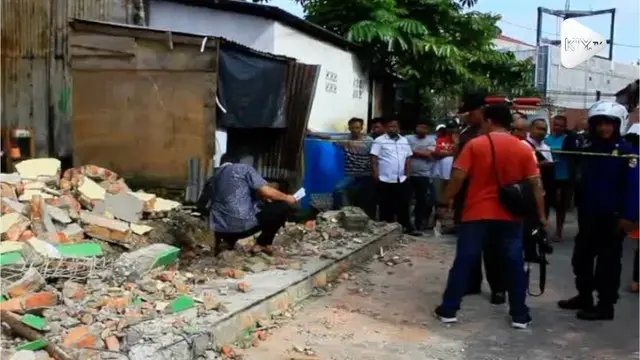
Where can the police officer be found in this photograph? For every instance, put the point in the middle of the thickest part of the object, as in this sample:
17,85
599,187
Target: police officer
605,210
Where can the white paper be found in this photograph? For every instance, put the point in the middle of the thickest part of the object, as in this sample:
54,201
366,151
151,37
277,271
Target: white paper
300,194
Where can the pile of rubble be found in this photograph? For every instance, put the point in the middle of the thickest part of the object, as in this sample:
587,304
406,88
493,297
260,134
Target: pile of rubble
65,297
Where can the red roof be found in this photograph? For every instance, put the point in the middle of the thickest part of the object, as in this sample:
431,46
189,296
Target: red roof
512,40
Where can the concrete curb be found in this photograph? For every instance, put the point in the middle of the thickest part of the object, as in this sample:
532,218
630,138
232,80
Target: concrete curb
270,292
227,330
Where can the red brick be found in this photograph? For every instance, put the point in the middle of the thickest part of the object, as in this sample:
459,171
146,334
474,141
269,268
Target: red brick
40,300
118,303
80,337
14,305
32,281
73,291
166,276
261,335
112,343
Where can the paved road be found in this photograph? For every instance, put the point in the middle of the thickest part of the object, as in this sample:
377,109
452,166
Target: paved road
385,313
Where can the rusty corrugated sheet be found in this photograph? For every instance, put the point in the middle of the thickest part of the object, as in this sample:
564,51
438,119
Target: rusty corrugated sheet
35,77
284,160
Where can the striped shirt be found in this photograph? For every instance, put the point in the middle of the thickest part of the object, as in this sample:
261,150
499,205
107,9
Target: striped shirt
357,161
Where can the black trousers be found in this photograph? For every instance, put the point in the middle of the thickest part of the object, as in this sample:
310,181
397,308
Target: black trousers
394,200
599,242
271,218
424,194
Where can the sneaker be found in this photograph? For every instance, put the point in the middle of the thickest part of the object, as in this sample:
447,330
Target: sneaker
498,298
575,303
597,313
445,317
521,322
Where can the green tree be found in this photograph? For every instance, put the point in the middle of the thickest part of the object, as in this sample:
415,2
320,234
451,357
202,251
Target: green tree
434,43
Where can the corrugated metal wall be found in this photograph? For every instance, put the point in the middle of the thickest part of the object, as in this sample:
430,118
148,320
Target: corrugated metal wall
35,80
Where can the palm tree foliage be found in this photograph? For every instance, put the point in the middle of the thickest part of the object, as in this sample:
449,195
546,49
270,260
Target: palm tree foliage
434,43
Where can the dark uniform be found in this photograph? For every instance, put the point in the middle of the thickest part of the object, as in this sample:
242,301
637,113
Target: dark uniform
605,195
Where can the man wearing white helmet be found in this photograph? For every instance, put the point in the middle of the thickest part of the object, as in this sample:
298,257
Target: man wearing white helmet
606,208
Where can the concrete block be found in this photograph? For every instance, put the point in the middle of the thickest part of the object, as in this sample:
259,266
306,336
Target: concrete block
68,203
124,206
135,264
73,232
354,219
12,225
103,228
39,169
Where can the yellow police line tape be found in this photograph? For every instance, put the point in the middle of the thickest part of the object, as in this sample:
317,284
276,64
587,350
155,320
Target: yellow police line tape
566,152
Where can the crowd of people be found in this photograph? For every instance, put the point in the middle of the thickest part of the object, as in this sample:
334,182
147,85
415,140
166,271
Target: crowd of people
498,173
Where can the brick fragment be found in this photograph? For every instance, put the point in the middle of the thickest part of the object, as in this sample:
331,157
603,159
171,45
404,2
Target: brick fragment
13,305
261,335
226,350
12,226
40,300
30,282
80,337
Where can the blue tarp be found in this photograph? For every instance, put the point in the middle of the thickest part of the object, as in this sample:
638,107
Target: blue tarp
323,167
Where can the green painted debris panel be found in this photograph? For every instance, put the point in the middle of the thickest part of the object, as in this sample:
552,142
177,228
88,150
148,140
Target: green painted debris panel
34,321
81,249
11,257
181,303
33,345
167,257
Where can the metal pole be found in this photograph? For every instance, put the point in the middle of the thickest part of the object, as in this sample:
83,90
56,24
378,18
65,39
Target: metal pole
539,29
598,95
613,22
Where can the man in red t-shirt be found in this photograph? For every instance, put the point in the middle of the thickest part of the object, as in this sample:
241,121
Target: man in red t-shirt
483,213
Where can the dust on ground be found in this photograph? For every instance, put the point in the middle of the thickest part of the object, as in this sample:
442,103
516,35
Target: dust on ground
383,311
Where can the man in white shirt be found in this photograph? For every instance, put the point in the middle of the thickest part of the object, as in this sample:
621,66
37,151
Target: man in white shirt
390,154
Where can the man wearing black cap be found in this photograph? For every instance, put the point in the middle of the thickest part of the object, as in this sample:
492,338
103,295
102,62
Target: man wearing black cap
473,102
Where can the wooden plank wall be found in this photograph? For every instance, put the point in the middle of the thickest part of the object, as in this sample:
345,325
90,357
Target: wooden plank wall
142,106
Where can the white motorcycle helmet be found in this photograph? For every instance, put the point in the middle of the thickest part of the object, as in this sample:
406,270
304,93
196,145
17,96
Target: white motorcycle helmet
612,110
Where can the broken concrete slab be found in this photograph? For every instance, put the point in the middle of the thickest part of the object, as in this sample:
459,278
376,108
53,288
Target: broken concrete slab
90,190
354,219
12,225
41,169
8,191
41,222
73,233
44,248
103,228
124,206
12,178
140,229
149,200
163,205
58,214
14,205
30,193
134,265
24,355
9,246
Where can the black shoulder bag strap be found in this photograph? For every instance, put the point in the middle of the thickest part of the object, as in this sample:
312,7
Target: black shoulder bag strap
493,161
542,255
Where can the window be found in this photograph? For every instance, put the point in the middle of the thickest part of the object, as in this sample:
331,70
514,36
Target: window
331,82
358,88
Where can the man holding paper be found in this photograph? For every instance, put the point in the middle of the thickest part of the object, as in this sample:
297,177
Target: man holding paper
241,203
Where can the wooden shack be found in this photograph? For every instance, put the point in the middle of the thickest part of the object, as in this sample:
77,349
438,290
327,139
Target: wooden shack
144,100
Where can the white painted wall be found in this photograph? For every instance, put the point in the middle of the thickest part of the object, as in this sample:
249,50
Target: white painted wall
340,70
254,32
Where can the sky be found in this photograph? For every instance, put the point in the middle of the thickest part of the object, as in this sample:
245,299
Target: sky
519,19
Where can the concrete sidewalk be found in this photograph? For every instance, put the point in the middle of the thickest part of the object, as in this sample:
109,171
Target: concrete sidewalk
385,313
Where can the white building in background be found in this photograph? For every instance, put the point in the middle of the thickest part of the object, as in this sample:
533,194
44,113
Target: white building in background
573,89
343,86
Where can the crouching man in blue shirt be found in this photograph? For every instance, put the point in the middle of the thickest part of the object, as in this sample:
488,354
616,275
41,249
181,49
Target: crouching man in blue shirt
605,206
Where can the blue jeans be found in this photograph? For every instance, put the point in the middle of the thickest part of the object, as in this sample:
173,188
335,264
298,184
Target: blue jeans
507,236
360,191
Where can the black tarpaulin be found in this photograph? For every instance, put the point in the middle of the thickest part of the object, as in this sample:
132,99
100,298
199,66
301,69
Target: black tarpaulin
251,89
